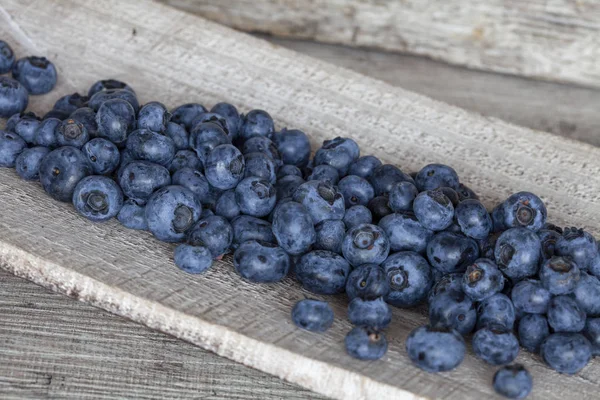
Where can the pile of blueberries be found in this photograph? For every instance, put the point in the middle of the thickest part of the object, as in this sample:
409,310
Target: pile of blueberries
218,182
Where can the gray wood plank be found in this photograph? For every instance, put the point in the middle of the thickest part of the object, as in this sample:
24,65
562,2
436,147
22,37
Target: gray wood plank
177,58
566,110
55,348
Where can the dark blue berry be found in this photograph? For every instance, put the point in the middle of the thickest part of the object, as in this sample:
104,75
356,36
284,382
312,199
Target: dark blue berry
247,228
36,74
194,181
103,155
71,102
559,275
465,193
287,185
224,167
293,146
286,170
385,176
365,244
434,210
214,233
26,128
260,165
451,252
370,313
592,333
61,170
97,198
368,281
193,259
185,159
14,98
405,232
435,349
205,137
255,197
330,235
338,153
548,240
517,252
171,211
45,134
87,117
379,207
293,227
29,161
473,219
533,329
133,216
364,166
356,190
402,196
513,382
453,309
11,145
343,143
144,144
153,116
71,133
227,205
185,114
482,279
178,135
566,353
322,272
98,99
495,344
565,315
587,294
579,245
232,117
434,176
139,179
365,343
261,144
108,84
529,296
325,173
115,119
261,262
409,279
357,215
322,201
526,210
256,123
312,315
496,310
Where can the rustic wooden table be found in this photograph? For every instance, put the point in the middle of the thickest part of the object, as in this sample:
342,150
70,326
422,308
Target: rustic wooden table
54,347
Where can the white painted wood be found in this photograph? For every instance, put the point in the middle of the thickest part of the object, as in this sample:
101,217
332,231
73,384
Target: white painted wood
557,40
176,57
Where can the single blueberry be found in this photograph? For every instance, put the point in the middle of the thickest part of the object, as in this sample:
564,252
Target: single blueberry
286,170
224,167
256,123
579,245
98,99
434,210
496,310
139,179
533,329
357,215
364,166
586,293
287,185
7,57
185,159
473,219
29,161
71,102
103,155
144,144
14,98
312,315
115,119
566,353
261,144
322,200
330,235
153,116
445,283
565,315
260,165
293,146
171,211
402,196
26,127
231,115
178,135
451,252
559,275
343,143
365,244
513,382
227,206
337,157
71,133
453,309
517,253
548,239
133,216
214,233
495,344
212,118
405,232
435,349
369,313
11,145
45,134
36,74
261,262
293,227
325,173
322,272
192,259
526,210
434,176
409,279
185,114
98,198
61,170
108,84
14,119
247,228
482,279
368,281
529,296
385,176
356,190
365,343
255,197
87,117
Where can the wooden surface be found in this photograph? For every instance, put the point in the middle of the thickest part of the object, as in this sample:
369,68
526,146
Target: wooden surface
557,40
55,348
563,109
131,274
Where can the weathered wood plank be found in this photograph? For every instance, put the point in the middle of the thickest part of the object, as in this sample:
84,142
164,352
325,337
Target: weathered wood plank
566,110
177,57
553,40
57,348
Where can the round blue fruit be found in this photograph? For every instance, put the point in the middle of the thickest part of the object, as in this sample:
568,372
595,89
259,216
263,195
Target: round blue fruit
365,244
559,275
153,116
7,57
36,74
171,211
11,146
365,343
193,259
434,176
224,167
369,313
482,279
356,190
293,146
473,219
321,199
533,329
256,123
368,282
565,315
61,170
98,198
247,228
566,353
261,262
103,155
71,133
139,179
14,98
255,197
402,195
405,232
115,118
435,349
529,296
450,252
409,279
513,382
293,227
322,272
496,310
29,161
108,84
330,235
495,344
364,166
357,215
312,315
434,210
133,216
214,233
517,253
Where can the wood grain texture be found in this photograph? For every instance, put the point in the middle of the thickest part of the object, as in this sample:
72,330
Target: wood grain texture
57,348
177,57
566,110
557,40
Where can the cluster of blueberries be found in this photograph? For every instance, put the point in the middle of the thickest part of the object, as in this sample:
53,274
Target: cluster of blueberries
218,181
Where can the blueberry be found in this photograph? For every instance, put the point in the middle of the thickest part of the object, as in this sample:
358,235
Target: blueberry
14,119
256,123
193,259
260,165
465,193
194,181
566,353
231,115
451,252
526,210
495,344
409,278
365,244
29,161
473,219
435,349
513,382
370,313
334,155
255,197
330,235
322,201
205,137
97,198
433,210
560,275
405,232
294,147
178,135
87,117
108,84
587,294
565,315
497,215
13,97
482,279
144,144
185,114
139,179
434,176
496,310
36,74
385,176
171,211
529,296
517,253
312,315
7,57
26,127
214,233
592,333
261,262
357,215
261,144
247,228
103,155
227,205
293,227
98,99
212,118
368,281
548,240
45,134
153,116
356,190
453,309
365,343
286,170
185,159
71,102
115,119
343,143
325,173
379,207
579,245
11,145
533,329
133,216
61,170
224,167
401,196
287,185
445,283
322,272
364,166
71,133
